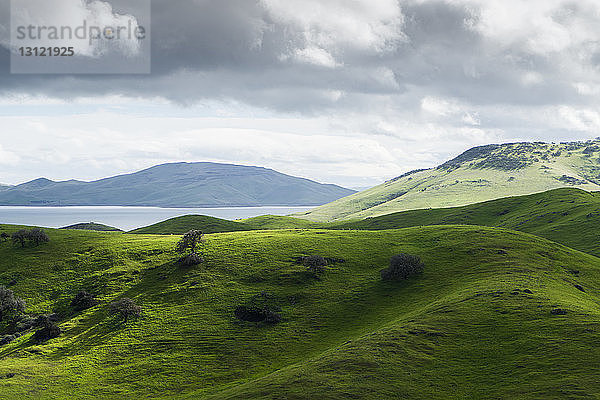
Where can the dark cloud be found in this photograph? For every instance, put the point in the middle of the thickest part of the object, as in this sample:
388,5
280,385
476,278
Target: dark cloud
244,51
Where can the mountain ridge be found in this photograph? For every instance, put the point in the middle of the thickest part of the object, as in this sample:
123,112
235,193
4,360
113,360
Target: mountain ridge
183,184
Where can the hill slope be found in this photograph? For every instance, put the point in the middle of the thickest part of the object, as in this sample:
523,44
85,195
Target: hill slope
477,324
92,226
480,174
181,225
567,216
179,185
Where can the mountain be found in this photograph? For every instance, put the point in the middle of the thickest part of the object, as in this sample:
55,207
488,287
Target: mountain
479,174
480,322
179,185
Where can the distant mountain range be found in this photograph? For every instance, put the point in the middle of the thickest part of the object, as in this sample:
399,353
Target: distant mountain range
200,184
479,174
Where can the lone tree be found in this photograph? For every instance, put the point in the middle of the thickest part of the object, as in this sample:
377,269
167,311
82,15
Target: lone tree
187,247
4,236
402,266
125,309
10,305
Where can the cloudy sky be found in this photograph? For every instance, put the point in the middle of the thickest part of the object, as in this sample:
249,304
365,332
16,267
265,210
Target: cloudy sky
351,92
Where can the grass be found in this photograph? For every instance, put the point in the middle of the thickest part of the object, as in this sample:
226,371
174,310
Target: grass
477,324
181,225
567,216
480,174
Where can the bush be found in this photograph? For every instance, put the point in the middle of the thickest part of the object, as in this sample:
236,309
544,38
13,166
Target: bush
37,236
125,309
83,300
402,266
315,264
49,331
19,237
4,236
261,308
10,305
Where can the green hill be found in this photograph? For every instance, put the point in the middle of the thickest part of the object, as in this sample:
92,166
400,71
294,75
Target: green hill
476,324
92,226
567,216
480,174
280,222
181,225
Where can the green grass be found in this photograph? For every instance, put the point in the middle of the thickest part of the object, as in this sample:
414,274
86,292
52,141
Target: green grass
480,174
567,216
181,225
465,329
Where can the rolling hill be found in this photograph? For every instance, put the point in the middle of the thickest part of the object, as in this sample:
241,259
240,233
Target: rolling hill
92,226
181,225
179,185
479,322
479,174
567,216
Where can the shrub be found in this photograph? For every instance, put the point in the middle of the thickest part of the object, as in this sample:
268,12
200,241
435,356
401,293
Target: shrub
10,305
125,309
83,300
37,236
402,266
261,308
49,331
4,236
19,237
315,264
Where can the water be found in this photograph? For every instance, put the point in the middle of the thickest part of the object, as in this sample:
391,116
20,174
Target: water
126,218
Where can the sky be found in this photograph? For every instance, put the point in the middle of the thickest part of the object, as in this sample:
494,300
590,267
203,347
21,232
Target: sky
351,92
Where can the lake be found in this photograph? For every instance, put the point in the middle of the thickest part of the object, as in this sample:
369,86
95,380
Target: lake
126,218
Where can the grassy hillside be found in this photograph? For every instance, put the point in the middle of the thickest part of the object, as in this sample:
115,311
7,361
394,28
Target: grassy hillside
92,226
480,174
477,324
280,222
567,216
181,225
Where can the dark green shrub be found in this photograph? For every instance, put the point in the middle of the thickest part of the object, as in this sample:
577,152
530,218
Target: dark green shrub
10,305
315,264
402,266
83,300
49,331
37,236
125,309
19,237
261,308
